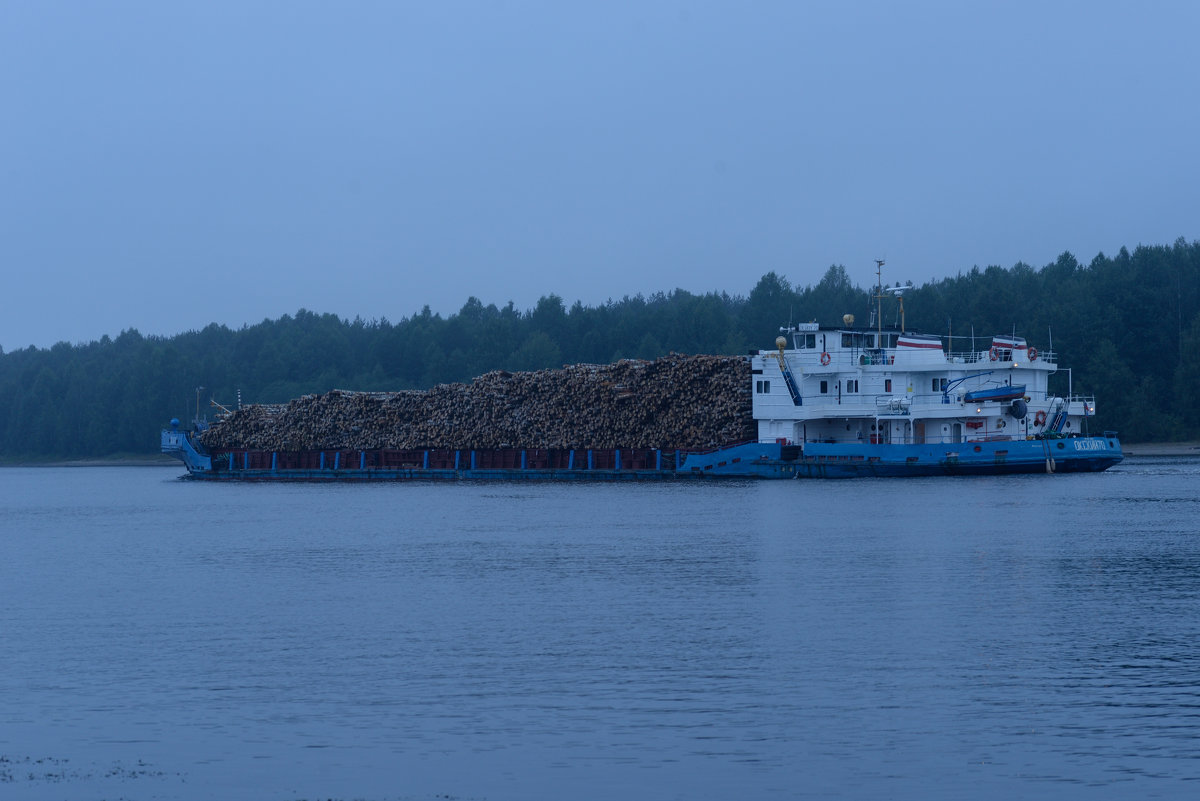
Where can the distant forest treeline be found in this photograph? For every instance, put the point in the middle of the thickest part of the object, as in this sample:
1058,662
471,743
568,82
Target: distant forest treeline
1128,326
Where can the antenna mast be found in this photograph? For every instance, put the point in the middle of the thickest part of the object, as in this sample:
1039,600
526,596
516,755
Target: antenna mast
879,298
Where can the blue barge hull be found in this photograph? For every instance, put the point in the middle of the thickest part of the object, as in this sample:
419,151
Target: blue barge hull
854,460
748,460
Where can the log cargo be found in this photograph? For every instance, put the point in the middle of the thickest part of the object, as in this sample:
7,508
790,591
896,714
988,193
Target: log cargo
685,402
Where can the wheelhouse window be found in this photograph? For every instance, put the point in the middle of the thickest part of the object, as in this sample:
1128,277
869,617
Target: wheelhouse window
853,339
851,385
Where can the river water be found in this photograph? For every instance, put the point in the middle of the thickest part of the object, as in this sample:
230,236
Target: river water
1023,636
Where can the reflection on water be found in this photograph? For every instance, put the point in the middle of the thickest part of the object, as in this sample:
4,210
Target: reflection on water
935,638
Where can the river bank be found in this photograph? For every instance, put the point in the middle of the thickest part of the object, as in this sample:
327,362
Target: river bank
133,460
1161,448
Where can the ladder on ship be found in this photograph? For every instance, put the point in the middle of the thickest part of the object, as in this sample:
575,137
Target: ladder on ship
790,380
1058,415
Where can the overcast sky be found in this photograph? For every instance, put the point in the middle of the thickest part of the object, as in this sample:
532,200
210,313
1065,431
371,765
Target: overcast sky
170,164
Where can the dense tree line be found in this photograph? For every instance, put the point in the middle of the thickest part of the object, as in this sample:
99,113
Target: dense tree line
1128,326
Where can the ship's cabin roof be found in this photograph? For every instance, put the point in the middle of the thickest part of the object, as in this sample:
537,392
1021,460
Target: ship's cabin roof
812,335
873,342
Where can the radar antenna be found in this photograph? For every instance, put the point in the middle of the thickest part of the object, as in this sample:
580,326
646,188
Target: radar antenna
898,291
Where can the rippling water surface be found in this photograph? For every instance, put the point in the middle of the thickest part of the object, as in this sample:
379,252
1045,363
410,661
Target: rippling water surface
1028,636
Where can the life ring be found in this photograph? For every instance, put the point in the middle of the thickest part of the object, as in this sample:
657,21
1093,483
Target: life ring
1033,354
825,358
994,353
1039,419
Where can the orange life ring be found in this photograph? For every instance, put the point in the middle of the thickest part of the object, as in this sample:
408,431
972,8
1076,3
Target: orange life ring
1039,419
825,358
1033,354
995,354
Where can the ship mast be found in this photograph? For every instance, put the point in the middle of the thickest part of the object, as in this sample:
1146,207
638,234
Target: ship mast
879,299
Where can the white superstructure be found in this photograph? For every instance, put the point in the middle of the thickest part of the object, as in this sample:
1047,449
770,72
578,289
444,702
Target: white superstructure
888,386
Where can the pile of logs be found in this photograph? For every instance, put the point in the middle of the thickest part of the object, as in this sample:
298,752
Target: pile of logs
687,402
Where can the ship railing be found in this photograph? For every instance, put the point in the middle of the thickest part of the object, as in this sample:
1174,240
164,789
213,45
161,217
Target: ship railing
934,400
876,356
1005,355
856,404
892,405
1088,401
1042,396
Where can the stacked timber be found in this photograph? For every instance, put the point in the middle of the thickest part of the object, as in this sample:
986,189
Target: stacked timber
687,402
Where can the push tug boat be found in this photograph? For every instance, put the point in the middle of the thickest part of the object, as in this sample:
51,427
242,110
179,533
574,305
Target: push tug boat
851,402
828,402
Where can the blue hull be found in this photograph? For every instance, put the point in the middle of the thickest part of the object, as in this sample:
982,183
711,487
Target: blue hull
751,460
854,460
419,474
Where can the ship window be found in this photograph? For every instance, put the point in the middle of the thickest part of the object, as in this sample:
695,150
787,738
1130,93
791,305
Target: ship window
856,340
762,387
887,385
824,387
810,340
935,385
852,385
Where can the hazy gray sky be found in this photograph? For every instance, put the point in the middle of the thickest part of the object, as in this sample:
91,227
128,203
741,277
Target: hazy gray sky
166,165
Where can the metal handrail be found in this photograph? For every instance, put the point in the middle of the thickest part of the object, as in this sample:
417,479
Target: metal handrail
972,357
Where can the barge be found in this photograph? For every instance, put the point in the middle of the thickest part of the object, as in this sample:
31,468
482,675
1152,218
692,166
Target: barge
828,402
